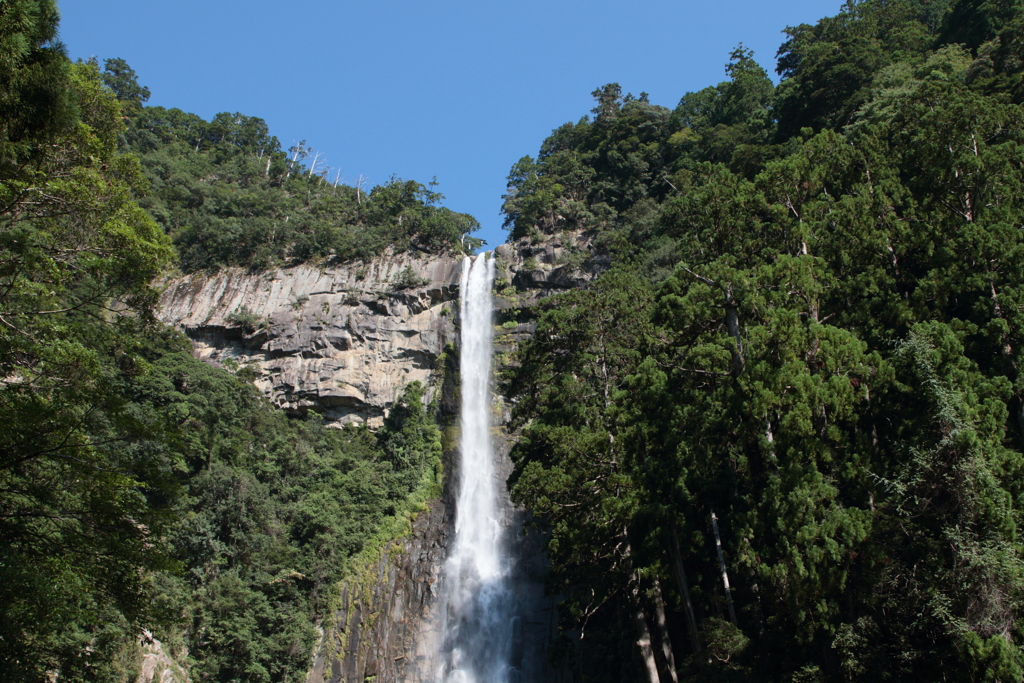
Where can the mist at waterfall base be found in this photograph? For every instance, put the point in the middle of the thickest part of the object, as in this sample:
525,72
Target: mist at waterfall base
477,601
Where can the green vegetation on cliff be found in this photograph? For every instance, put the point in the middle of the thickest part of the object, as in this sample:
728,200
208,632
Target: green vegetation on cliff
139,487
228,195
812,333
802,370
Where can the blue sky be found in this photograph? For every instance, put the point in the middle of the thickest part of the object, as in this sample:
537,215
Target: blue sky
459,90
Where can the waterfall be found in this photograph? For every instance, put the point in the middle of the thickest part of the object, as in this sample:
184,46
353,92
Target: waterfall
478,626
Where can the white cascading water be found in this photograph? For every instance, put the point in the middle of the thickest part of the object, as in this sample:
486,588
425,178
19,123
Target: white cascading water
475,596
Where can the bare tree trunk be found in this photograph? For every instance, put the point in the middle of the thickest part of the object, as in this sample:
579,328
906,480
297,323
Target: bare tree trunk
721,566
291,166
684,588
663,637
643,636
359,189
312,166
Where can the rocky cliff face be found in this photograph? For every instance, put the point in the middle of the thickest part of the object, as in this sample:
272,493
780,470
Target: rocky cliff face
546,264
385,628
375,632
157,665
341,341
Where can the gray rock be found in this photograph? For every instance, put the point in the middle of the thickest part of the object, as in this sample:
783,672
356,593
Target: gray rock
342,341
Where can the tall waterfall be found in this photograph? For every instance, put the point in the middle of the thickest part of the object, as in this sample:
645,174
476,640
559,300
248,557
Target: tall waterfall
476,598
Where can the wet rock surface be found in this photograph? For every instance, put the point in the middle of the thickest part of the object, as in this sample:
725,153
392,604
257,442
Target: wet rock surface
375,632
343,341
387,628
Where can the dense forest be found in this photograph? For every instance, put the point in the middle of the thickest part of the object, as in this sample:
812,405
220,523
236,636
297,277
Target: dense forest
139,487
228,195
782,437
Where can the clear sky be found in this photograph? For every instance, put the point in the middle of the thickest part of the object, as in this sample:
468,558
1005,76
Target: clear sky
456,89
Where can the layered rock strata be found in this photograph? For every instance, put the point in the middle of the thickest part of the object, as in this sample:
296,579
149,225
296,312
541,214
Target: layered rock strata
342,341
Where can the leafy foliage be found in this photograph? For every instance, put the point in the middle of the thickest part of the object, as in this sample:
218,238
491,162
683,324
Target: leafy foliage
36,100
813,333
139,487
77,467
228,195
273,509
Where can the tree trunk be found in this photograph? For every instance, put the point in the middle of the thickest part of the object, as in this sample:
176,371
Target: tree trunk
684,588
643,637
721,566
732,323
664,640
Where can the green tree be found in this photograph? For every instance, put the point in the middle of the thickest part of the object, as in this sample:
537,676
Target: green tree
730,123
77,470
828,363
975,22
570,460
123,81
35,98
827,67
